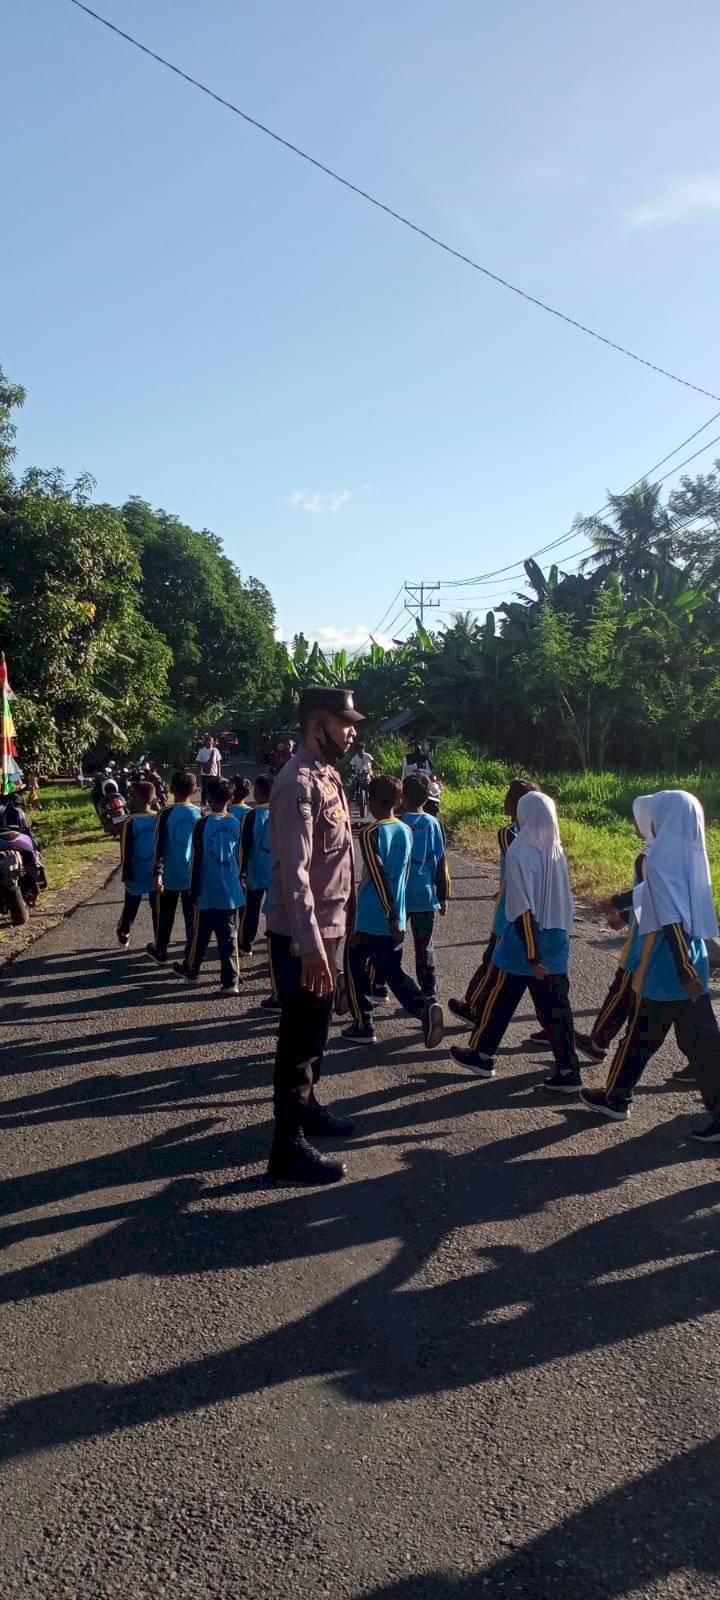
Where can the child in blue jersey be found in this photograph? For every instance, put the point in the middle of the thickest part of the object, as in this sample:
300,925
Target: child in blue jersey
215,889
256,862
467,1008
373,953
428,885
173,851
137,854
241,803
533,951
676,914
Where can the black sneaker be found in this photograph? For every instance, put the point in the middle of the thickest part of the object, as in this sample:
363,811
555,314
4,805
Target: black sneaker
710,1134
605,1105
586,1043
321,1124
295,1161
564,1082
482,1066
246,949
433,1025
156,955
180,968
380,991
685,1075
460,1008
540,1037
230,988
536,1041
364,1032
123,939
271,1003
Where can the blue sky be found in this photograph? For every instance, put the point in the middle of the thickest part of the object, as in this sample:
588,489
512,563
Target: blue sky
201,319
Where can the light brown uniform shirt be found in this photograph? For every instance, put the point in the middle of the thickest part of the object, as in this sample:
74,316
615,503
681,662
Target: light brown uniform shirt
312,849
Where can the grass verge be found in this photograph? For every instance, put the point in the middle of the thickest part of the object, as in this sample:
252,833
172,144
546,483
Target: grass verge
600,853
69,833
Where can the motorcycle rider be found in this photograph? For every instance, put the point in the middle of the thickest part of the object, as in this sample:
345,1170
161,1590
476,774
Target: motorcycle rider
362,767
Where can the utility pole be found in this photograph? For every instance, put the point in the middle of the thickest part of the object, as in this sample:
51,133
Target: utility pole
416,602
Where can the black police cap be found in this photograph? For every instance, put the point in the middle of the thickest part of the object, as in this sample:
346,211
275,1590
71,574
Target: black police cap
318,697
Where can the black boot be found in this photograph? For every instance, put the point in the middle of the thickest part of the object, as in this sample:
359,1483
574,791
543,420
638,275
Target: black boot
321,1124
295,1161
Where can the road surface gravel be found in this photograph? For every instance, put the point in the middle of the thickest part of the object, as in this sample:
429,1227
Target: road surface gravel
485,1364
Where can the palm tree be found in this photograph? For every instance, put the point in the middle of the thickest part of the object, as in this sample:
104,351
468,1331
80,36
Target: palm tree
637,541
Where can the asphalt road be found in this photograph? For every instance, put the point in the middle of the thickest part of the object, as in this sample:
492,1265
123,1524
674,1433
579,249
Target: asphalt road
486,1364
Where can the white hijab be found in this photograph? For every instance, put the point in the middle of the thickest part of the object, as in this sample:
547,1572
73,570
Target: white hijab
642,812
678,887
536,871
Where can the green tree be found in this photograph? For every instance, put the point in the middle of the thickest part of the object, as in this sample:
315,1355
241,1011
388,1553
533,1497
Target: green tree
11,397
219,630
84,662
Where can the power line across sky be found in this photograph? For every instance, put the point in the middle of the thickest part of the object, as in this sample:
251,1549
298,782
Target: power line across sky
390,211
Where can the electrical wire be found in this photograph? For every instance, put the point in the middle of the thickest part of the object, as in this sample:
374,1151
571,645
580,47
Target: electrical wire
397,216
484,577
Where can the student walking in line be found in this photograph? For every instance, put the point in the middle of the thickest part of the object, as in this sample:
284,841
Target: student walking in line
137,854
428,885
468,1008
173,854
215,889
241,802
618,1004
374,950
255,862
533,951
676,916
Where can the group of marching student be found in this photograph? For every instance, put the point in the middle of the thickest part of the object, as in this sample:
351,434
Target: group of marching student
663,971
218,866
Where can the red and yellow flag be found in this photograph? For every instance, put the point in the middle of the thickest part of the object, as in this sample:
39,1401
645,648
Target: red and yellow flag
9,771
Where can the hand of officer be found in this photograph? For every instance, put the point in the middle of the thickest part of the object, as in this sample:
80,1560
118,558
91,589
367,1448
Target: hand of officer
694,988
315,975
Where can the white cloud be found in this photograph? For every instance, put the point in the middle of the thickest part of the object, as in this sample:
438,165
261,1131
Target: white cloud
350,639
681,200
302,500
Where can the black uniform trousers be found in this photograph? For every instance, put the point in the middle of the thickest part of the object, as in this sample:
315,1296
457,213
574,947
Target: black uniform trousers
165,920
302,1036
474,988
223,924
373,959
422,924
250,919
616,1009
697,1034
132,906
500,999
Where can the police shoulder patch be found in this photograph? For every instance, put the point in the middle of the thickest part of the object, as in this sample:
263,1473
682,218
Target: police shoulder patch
304,806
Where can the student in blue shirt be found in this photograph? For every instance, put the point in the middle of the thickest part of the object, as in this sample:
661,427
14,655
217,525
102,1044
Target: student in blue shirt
137,854
240,804
373,953
173,851
215,889
468,1007
255,862
428,886
533,951
676,916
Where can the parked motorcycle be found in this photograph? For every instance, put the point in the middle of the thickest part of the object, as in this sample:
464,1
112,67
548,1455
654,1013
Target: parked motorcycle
112,811
22,874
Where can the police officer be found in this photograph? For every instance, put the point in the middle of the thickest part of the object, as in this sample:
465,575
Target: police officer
313,895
